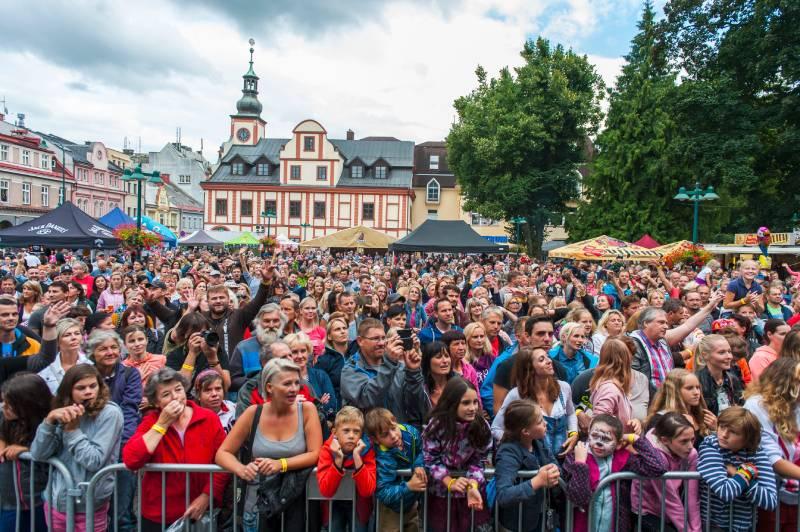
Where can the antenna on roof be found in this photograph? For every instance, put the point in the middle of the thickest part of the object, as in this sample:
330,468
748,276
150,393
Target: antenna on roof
140,145
178,137
5,109
201,144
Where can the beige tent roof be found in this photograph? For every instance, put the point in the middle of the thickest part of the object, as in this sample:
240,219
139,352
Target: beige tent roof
352,238
604,248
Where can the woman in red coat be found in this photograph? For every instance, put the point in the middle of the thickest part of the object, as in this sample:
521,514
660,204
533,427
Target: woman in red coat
178,431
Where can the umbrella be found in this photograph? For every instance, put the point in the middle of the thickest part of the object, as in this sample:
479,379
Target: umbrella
604,248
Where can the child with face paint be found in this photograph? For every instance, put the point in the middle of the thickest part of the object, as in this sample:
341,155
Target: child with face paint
673,437
457,438
607,451
523,449
736,471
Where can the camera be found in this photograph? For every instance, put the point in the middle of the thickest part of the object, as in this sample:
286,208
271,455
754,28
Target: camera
211,338
407,336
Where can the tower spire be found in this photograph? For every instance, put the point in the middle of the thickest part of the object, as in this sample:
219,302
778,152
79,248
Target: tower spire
248,104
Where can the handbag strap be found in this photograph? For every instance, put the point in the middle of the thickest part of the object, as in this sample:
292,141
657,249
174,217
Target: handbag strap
252,437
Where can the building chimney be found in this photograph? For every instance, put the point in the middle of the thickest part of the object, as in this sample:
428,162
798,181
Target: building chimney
21,120
351,135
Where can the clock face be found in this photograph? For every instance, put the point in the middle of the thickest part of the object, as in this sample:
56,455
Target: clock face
243,134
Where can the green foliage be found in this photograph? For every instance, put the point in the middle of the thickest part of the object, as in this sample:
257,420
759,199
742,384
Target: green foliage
520,136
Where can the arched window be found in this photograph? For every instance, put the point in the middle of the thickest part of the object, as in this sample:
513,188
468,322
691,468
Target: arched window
433,191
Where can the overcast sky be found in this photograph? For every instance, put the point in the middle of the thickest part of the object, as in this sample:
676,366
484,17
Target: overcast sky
95,70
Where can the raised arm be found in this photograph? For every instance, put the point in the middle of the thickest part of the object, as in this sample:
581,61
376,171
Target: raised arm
675,336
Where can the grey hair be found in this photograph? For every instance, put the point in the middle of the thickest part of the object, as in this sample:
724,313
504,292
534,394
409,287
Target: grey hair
66,324
81,265
267,352
493,309
268,309
162,377
273,368
648,314
98,338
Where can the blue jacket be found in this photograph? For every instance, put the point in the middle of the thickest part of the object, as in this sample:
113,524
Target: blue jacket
125,386
487,386
432,333
512,493
392,489
421,318
321,384
331,362
245,362
579,363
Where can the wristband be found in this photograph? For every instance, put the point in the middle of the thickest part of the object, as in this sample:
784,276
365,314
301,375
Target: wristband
631,438
743,301
473,485
450,484
158,428
187,367
284,465
572,433
578,410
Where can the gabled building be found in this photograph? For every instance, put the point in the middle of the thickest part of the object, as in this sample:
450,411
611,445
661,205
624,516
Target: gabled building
306,185
186,167
170,206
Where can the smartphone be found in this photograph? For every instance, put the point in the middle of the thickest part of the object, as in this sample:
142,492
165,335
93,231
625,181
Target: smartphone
407,336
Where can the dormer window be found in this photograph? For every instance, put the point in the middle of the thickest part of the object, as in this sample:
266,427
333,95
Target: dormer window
308,143
381,172
357,171
433,191
237,168
434,162
262,169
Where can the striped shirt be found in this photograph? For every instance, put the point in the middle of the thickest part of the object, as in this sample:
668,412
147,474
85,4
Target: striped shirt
733,499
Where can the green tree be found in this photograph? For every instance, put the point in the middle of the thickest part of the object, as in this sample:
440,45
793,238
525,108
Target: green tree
629,188
519,137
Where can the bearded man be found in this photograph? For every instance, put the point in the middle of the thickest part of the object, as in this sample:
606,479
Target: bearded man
245,362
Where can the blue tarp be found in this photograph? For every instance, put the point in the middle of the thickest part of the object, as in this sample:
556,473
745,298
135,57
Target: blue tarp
167,236
115,218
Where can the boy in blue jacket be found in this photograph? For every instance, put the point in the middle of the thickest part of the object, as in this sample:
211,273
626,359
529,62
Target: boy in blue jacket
396,447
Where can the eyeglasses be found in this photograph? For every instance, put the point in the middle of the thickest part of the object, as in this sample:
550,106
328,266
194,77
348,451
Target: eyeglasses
376,339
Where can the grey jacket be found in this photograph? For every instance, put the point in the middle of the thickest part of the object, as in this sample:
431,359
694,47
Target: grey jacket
85,451
389,385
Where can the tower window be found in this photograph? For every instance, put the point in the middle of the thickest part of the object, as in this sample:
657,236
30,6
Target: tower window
380,172
295,171
308,143
357,171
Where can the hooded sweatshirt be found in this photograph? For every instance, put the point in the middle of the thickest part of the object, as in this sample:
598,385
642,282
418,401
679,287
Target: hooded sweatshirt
763,357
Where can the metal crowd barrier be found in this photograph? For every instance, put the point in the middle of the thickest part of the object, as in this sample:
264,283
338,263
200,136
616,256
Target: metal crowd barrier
684,476
33,496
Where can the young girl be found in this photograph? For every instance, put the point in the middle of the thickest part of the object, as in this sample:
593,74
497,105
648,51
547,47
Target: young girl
84,431
522,449
736,472
457,438
673,436
681,393
26,400
607,453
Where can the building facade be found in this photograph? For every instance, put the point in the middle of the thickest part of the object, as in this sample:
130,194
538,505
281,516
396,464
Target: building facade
187,168
31,172
306,185
170,206
438,195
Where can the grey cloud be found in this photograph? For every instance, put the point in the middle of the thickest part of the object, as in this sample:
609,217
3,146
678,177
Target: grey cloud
102,43
78,86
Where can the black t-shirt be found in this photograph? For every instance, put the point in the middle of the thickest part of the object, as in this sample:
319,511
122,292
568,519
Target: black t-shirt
176,357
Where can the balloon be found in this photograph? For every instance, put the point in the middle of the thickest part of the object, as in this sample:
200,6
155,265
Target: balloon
764,239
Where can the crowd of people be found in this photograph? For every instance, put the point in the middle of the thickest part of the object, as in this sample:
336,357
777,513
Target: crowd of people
364,365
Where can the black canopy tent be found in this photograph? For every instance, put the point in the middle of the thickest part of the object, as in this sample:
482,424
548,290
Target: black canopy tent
446,236
201,238
64,227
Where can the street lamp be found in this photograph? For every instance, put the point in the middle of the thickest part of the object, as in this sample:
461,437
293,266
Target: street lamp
305,226
518,221
269,215
696,196
141,179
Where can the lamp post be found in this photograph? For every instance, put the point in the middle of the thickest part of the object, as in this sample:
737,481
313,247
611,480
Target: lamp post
141,179
305,226
696,195
269,215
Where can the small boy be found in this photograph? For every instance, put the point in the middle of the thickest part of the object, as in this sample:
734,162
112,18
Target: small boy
346,450
398,447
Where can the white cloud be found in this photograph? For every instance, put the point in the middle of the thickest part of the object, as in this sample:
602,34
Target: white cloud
396,74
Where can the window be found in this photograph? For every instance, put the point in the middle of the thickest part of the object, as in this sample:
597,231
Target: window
357,171
433,214
97,209
322,173
308,143
3,152
237,169
26,193
162,219
368,211
52,163
294,172
173,218
184,180
61,196
98,178
294,209
380,172
271,207
262,169
45,196
434,162
433,190
26,157
4,191
44,162
319,209
221,207
477,219
247,207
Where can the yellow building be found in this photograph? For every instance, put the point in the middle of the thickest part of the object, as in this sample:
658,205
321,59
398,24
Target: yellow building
437,195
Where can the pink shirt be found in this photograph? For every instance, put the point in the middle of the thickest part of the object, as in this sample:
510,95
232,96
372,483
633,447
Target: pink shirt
763,357
608,398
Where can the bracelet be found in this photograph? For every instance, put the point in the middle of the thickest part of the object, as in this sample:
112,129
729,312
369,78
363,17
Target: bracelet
450,484
572,433
187,367
578,410
158,428
473,485
743,301
214,365
631,438
284,465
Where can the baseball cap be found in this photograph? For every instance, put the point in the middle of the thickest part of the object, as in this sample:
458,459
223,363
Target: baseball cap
214,273
66,269
395,298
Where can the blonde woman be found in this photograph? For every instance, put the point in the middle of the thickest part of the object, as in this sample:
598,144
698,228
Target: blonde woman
581,315
29,301
479,349
317,380
681,393
612,323
571,353
308,321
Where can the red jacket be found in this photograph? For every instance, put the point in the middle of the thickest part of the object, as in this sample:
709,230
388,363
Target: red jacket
329,476
203,437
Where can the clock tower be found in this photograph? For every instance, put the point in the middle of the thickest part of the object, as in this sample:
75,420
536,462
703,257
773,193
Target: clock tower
247,126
